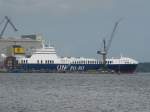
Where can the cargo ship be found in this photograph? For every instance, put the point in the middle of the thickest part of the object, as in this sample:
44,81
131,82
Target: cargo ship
45,59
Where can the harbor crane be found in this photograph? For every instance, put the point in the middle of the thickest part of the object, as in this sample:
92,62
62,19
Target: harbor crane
6,23
106,48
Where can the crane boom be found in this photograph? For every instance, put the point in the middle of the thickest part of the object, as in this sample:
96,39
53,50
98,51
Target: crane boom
112,35
7,21
104,52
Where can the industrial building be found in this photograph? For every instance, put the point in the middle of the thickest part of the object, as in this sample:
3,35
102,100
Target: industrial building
26,41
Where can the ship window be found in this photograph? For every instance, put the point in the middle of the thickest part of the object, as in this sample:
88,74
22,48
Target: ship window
46,61
26,61
83,62
41,61
38,61
53,62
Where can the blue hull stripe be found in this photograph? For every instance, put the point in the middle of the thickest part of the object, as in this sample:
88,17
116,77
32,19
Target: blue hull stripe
125,68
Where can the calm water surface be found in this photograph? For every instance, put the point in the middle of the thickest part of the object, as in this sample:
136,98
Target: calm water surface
74,92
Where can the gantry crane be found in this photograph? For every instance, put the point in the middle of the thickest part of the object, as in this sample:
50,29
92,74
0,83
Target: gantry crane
6,23
106,48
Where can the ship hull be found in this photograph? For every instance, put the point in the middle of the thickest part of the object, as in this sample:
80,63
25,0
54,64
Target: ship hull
118,68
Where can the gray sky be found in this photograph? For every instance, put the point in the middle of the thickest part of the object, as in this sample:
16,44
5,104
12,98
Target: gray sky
77,27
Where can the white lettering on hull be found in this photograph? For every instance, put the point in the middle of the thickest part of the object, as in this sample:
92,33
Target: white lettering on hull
70,68
61,67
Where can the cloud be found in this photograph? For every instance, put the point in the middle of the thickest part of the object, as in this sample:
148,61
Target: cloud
53,6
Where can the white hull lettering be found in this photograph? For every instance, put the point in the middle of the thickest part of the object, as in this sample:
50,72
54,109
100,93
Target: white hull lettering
61,67
71,68
81,68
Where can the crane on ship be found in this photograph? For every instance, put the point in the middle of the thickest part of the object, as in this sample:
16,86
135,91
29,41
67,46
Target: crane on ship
106,47
6,24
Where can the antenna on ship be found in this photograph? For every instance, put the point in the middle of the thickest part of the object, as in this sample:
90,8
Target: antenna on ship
6,23
106,48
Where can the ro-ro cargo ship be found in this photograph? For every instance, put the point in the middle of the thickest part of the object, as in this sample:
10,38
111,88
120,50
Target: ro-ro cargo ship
45,59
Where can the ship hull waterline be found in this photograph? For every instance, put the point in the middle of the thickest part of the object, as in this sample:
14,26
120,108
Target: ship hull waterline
44,68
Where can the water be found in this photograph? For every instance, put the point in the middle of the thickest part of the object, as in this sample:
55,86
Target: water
74,92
